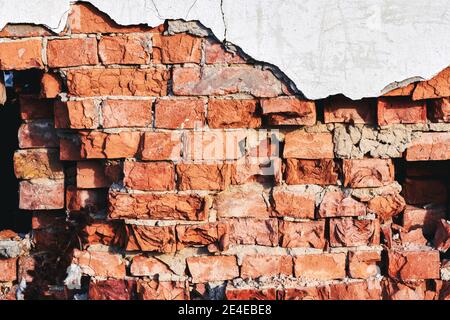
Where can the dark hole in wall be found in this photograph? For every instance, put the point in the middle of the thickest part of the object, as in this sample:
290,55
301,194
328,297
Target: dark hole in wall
11,217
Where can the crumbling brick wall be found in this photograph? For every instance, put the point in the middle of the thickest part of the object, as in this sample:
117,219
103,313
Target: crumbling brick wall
161,165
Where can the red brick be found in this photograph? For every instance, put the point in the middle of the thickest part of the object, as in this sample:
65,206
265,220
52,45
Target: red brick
233,113
214,145
37,134
51,85
148,266
76,114
321,292
263,232
41,194
442,236
338,109
356,291
288,203
156,176
72,52
216,53
111,289
151,238
264,265
386,205
436,87
33,107
8,270
179,113
203,176
178,48
91,174
212,268
118,82
169,206
426,219
69,148
401,110
161,146
412,238
244,202
162,290
439,110
126,113
23,31
350,232
125,49
225,80
289,111
336,204
325,266
108,233
305,234
413,265
37,163
98,145
212,235
363,264
396,290
47,219
100,264
306,145
418,191
250,294
368,173
429,146
323,172
406,90
21,55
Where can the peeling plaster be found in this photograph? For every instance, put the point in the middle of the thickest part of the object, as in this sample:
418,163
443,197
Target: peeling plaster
353,47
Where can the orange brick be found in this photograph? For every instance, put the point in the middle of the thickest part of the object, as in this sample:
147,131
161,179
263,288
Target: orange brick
126,113
305,145
91,175
233,113
178,48
401,110
72,52
21,55
126,49
179,113
156,176
325,266
76,114
212,268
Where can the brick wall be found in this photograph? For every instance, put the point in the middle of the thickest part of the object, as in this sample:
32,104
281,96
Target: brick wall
161,165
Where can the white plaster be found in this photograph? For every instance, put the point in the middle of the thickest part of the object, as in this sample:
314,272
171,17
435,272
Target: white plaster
354,47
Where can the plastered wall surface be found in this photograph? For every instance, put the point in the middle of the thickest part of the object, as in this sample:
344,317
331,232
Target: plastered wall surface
325,47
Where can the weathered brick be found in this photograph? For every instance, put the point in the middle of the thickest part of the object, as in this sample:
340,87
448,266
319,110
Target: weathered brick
241,202
288,203
426,219
41,194
162,290
108,233
25,30
401,110
91,174
413,264
125,49
442,236
203,176
336,204
305,234
100,264
418,191
436,87
320,292
161,146
225,80
33,107
232,293
111,289
368,173
168,206
151,238
98,145
21,55
72,52
429,146
342,109
118,82
439,110
306,145
363,264
216,53
252,231
155,176
406,90
148,266
212,268
323,172
126,113
37,134
76,114
364,290
213,235
325,266
412,238
51,85
69,148
289,111
233,113
350,232
386,206
179,113
8,270
256,266
37,163
178,48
